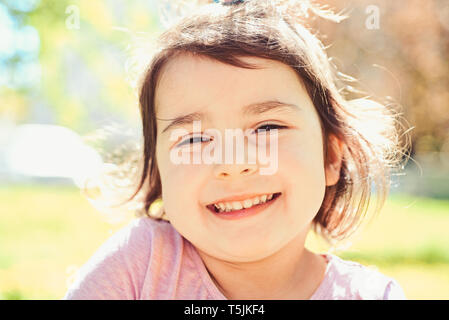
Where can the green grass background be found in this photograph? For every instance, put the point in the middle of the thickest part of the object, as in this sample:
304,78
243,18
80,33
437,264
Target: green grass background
47,232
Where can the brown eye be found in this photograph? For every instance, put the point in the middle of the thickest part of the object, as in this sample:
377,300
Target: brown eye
192,140
268,127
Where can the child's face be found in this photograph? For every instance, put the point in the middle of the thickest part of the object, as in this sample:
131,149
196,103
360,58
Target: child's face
188,84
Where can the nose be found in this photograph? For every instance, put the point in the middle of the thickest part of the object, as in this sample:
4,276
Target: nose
230,171
243,161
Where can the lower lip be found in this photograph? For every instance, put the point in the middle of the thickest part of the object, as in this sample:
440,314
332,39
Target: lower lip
243,213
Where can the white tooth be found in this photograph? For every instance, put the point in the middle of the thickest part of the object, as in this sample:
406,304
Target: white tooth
247,203
256,200
222,206
228,207
236,205
270,196
263,198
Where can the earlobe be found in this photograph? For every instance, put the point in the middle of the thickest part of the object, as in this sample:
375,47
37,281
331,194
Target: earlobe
335,153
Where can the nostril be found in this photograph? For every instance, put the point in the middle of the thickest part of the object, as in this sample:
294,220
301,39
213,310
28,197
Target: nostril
247,170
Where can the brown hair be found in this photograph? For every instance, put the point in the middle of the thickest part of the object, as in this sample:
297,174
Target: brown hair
278,30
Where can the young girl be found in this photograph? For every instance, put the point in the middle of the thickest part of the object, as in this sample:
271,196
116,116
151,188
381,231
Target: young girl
226,231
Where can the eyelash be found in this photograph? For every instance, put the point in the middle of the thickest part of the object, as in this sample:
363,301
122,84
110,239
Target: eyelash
277,126
264,125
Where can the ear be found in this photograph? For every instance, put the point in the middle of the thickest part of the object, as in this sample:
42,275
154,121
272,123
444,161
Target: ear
334,160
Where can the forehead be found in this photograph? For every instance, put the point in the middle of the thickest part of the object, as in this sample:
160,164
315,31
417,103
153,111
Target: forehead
190,82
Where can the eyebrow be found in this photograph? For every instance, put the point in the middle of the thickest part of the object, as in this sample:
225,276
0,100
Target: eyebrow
251,109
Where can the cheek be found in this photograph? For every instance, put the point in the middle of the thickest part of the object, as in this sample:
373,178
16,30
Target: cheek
180,190
302,153
173,175
178,183
301,165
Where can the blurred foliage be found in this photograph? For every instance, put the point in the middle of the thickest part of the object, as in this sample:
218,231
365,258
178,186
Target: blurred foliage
82,70
405,59
41,251
82,81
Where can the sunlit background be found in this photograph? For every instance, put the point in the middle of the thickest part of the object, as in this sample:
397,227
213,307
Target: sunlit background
66,105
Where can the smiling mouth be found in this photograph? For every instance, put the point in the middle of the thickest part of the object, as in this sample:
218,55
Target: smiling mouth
216,210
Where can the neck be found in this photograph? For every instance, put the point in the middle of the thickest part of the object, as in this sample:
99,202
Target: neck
291,273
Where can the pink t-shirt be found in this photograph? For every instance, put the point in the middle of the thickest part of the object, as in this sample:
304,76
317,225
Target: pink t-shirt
149,259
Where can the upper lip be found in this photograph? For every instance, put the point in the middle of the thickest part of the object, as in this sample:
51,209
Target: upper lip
241,197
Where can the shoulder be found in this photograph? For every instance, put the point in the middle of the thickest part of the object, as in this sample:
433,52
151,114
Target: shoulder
353,281
140,233
132,242
118,267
